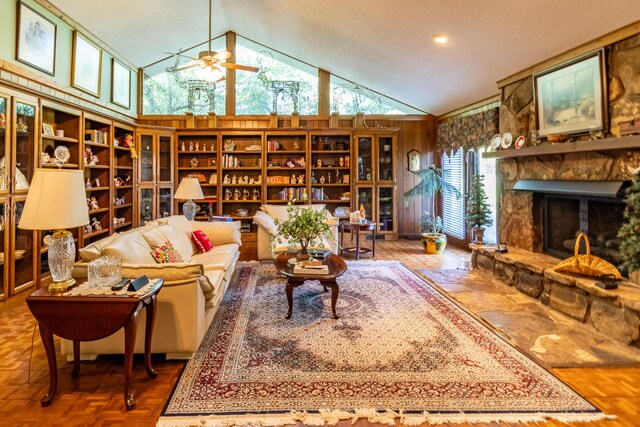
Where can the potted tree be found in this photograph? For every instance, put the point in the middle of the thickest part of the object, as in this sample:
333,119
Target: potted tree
431,183
629,233
478,210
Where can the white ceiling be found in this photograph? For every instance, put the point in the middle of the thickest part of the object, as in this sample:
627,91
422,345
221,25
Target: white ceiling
385,45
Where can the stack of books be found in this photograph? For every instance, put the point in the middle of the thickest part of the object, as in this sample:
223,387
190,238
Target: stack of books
311,267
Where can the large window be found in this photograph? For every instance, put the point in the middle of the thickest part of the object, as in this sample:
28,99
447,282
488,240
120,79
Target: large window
283,84
453,210
351,98
166,91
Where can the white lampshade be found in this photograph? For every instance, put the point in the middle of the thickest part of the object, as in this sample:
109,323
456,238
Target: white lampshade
189,189
56,200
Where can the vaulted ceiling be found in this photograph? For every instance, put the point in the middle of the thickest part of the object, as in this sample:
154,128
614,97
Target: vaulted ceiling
385,45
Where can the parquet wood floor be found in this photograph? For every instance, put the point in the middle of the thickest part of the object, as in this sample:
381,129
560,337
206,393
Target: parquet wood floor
95,398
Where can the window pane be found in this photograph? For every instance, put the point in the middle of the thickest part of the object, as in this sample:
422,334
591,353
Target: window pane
283,84
452,208
351,98
166,92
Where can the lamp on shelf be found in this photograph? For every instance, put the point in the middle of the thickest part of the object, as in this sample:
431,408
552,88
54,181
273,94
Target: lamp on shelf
57,201
188,190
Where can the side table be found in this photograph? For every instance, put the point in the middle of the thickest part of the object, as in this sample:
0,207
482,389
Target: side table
355,227
89,318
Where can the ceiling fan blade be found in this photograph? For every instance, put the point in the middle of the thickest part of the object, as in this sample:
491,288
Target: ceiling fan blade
240,67
222,55
186,67
179,54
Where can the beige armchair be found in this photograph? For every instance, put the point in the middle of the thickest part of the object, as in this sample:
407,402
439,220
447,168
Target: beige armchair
267,229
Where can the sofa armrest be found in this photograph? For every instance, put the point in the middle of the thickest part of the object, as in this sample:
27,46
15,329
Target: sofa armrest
265,221
171,273
220,232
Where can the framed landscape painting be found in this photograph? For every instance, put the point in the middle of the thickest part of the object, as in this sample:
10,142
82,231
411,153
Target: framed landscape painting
86,66
36,40
120,84
570,98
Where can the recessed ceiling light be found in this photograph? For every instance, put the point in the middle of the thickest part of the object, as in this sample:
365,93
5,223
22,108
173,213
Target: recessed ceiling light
440,38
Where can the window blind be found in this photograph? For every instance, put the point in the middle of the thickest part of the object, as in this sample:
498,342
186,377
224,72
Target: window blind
452,208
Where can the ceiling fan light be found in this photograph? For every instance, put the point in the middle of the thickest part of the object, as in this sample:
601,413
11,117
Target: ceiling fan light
209,74
440,38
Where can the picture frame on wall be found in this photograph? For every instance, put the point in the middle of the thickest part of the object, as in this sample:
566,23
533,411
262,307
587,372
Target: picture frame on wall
570,98
120,84
36,40
86,65
413,160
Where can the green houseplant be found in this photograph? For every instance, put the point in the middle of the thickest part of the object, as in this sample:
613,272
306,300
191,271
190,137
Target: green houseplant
431,182
478,209
303,228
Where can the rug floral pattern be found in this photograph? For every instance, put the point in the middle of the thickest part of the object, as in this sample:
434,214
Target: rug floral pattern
399,344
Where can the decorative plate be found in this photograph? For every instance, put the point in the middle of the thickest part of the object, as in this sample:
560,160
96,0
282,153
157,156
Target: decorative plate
47,239
62,153
506,141
495,141
519,142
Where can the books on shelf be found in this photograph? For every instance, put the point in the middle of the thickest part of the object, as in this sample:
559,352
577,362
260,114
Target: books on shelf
94,135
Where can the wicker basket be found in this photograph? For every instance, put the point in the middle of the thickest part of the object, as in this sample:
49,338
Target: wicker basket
587,264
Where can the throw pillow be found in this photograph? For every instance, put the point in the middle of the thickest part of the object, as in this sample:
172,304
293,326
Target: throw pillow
201,240
166,253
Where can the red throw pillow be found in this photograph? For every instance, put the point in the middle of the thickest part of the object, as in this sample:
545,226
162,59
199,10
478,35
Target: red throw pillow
201,241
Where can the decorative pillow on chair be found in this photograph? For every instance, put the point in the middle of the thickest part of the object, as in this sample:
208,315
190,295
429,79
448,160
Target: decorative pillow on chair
201,240
166,253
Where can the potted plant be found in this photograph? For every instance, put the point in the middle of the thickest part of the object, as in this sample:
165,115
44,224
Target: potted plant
304,228
431,183
478,210
629,233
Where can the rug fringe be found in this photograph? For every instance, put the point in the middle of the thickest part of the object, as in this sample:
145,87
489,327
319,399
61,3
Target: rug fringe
388,417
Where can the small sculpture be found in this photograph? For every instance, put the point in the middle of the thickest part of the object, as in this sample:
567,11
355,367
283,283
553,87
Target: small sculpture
256,194
93,203
229,145
236,194
22,126
319,163
194,162
341,161
234,180
322,179
293,179
87,228
301,178
197,146
296,145
259,180
89,158
128,142
251,181
246,179
88,183
44,158
117,181
226,179
119,201
313,178
97,182
301,163
190,145
245,194
182,148
96,224
227,194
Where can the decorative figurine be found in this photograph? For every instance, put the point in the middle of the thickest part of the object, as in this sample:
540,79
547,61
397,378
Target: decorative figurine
322,179
337,177
234,180
229,145
252,181
301,178
89,158
236,194
97,182
22,126
93,204
87,228
88,183
128,142
245,194
190,145
301,163
341,162
96,224
246,179
313,178
197,146
293,179
194,162
44,158
319,163
296,145
256,194
259,180
119,201
227,194
226,179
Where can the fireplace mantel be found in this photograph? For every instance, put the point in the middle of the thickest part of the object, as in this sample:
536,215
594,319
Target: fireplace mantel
605,144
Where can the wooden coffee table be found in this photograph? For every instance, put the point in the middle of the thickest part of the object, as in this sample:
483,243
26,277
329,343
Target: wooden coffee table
337,267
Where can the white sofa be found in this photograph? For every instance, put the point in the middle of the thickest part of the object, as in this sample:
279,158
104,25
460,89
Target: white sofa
264,219
192,289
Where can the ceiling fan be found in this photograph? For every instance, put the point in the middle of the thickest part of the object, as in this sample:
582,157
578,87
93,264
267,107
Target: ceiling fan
209,62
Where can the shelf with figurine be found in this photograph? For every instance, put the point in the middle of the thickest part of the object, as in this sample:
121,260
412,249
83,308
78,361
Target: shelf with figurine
60,128
196,145
254,178
241,194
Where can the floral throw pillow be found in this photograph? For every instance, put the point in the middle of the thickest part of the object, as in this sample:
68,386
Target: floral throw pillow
201,240
166,253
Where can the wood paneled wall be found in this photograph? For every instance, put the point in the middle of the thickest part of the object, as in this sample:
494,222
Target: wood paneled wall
414,132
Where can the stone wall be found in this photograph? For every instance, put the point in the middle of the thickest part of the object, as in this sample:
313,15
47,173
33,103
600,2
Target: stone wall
520,218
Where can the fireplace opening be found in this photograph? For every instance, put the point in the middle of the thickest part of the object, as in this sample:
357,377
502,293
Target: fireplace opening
599,218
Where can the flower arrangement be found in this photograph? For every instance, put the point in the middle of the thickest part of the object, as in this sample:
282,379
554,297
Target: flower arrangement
304,227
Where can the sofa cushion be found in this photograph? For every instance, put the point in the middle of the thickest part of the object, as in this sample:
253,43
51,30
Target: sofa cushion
215,261
201,241
280,211
228,248
94,250
265,221
166,254
131,248
215,279
183,228
220,233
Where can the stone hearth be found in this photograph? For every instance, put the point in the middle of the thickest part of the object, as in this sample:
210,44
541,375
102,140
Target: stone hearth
613,312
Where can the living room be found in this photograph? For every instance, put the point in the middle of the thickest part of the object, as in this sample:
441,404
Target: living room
441,180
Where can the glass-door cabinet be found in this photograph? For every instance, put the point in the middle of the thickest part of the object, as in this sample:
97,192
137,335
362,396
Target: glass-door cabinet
5,133
4,243
25,119
375,174
155,177
23,274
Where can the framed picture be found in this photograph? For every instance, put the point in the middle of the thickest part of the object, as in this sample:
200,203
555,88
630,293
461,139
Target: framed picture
86,66
569,98
47,129
36,40
413,160
120,84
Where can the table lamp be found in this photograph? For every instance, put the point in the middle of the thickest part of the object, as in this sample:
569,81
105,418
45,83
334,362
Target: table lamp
189,189
57,201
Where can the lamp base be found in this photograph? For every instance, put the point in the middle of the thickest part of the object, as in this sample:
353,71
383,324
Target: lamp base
189,210
61,254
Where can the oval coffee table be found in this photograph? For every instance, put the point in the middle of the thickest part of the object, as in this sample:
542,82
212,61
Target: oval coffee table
336,265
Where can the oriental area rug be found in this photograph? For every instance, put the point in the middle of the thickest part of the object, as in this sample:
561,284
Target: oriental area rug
400,352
